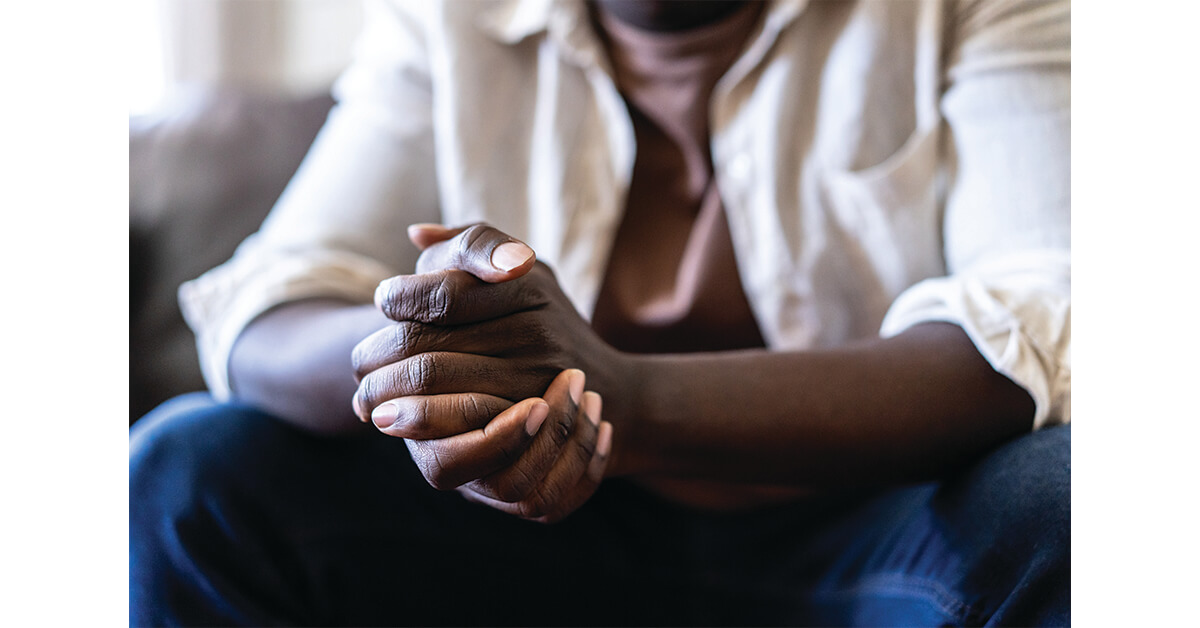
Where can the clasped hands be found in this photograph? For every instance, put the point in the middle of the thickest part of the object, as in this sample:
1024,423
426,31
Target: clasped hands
479,373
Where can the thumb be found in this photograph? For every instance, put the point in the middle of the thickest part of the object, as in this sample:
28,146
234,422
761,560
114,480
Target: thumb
481,250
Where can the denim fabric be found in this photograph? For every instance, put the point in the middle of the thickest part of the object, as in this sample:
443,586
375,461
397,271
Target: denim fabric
237,518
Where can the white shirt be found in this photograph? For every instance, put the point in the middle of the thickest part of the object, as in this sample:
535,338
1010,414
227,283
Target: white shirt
882,164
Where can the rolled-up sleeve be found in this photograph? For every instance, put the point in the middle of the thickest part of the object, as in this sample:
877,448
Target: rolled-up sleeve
1007,215
339,227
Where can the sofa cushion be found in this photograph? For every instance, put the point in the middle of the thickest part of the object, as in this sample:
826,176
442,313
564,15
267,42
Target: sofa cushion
203,173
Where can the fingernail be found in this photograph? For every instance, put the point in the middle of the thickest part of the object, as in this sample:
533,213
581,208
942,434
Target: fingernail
592,404
599,461
510,255
537,416
605,440
575,386
385,415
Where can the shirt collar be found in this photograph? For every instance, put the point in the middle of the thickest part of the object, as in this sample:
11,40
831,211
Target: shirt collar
510,21
567,22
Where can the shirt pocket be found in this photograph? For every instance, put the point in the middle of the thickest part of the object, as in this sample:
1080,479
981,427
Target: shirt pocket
886,216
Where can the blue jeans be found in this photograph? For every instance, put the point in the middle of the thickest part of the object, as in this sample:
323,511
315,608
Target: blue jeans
237,518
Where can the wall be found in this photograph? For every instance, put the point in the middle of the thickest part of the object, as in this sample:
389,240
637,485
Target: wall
295,47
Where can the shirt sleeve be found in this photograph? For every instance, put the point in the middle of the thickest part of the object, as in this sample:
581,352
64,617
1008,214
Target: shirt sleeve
338,229
1006,226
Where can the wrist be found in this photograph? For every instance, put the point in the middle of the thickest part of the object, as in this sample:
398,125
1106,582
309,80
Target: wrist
624,406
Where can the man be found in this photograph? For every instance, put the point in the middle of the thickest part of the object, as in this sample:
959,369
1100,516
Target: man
753,302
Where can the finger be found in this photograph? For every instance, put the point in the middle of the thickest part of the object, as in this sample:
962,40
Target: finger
587,485
454,297
555,495
405,339
448,463
426,234
512,336
564,446
599,464
481,250
425,417
440,373
579,495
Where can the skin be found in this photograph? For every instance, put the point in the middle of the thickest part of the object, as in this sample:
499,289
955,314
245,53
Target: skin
470,349
266,361
668,16
882,410
480,363
536,457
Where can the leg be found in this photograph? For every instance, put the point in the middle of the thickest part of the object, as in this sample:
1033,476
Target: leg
1012,515
237,518
989,547
228,518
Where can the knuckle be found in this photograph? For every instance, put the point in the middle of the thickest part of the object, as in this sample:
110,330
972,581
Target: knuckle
515,487
585,450
358,360
472,236
420,373
409,338
541,503
436,471
393,299
415,417
425,460
385,293
439,300
506,455
471,411
562,429
369,390
401,333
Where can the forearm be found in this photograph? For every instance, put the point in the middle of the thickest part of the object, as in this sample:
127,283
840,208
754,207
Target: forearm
906,408
294,362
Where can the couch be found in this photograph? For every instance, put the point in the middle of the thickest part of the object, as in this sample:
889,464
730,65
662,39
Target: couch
204,170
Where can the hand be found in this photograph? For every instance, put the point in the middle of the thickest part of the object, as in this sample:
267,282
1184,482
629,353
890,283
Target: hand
518,462
569,472
563,465
482,324
561,470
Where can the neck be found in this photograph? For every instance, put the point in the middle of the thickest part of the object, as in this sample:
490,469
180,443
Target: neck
669,15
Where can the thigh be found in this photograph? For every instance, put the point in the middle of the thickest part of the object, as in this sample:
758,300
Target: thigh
988,546
238,518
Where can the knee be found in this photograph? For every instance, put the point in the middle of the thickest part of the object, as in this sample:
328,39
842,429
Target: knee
1020,493
1012,513
193,451
178,449
187,466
